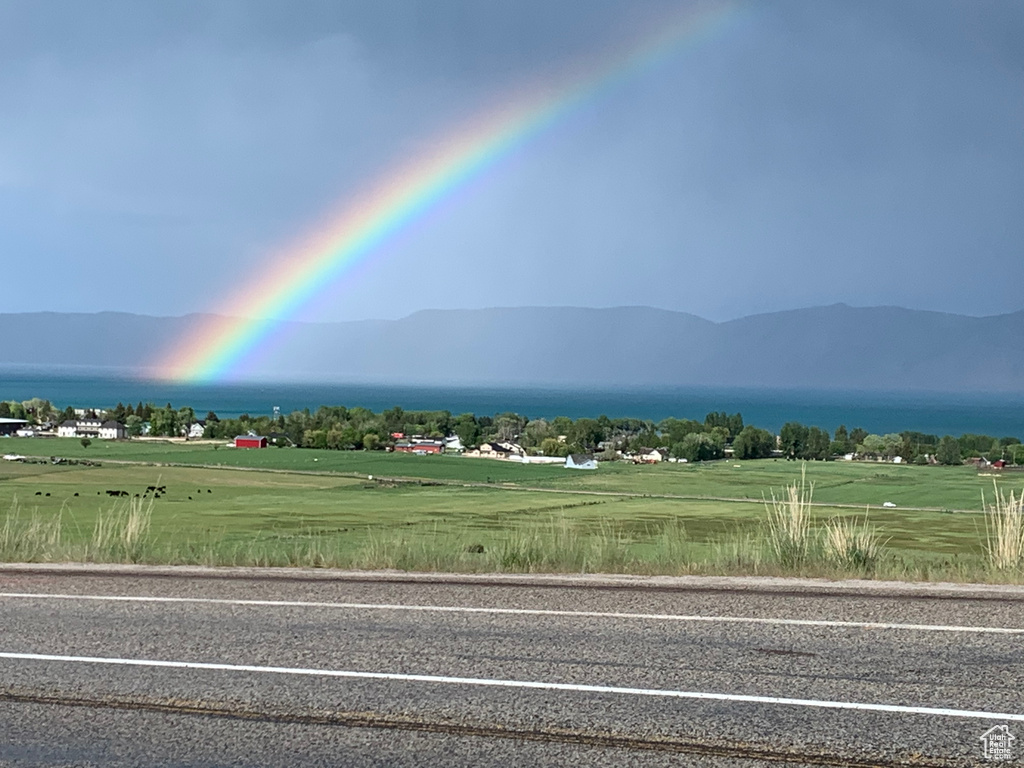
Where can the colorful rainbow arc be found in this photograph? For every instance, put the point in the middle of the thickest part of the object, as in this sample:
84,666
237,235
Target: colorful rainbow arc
219,346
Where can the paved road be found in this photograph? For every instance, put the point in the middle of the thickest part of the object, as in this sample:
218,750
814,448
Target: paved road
143,669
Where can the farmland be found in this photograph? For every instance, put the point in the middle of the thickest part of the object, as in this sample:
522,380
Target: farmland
274,505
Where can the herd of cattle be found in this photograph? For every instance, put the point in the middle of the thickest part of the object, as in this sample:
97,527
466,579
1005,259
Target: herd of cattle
157,491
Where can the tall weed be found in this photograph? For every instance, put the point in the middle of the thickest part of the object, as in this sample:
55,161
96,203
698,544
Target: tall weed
789,523
852,543
1004,524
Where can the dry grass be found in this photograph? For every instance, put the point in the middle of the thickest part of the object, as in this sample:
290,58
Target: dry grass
30,537
1004,525
790,536
120,534
852,543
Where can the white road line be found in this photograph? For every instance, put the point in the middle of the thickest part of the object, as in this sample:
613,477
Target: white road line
535,685
522,612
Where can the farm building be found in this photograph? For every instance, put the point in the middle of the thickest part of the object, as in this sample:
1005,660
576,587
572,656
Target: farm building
10,426
250,441
420,447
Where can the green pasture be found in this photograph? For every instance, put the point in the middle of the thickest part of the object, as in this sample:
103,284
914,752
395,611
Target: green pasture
859,484
215,506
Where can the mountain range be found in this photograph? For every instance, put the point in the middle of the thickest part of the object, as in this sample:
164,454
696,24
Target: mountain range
835,347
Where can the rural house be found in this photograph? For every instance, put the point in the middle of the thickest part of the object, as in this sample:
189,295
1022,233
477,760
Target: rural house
580,461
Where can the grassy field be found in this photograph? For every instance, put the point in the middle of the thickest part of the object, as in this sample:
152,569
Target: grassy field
319,507
942,488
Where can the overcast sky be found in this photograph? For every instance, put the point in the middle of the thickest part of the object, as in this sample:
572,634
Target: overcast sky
802,153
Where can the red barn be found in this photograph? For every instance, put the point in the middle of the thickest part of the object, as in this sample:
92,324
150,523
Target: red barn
250,441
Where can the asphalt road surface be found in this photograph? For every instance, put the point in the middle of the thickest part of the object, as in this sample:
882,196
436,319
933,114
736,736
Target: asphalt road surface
184,668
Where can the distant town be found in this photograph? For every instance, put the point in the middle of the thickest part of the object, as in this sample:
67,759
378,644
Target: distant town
580,444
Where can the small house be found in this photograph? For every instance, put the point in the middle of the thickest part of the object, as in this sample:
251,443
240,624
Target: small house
648,456
580,461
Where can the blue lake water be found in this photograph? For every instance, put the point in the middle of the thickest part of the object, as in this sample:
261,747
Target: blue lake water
879,412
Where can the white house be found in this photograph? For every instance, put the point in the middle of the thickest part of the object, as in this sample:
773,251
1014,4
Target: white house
649,456
104,430
580,461
112,430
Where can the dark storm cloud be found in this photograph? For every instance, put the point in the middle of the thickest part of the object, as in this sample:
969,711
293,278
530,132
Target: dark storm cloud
805,153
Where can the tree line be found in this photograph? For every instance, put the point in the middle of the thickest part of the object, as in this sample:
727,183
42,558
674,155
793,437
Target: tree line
357,428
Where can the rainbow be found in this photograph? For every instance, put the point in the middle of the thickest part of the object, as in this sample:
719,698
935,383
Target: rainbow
218,348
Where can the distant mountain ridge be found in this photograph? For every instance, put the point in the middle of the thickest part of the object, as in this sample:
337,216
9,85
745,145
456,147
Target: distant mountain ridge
829,347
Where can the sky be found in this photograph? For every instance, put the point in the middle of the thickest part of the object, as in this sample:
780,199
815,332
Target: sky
155,156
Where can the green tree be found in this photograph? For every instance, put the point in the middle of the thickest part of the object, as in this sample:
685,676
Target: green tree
698,446
753,443
872,445
315,438
371,441
163,421
948,452
336,438
185,419
467,429
585,435
132,425
508,426
732,424
841,442
536,432
552,446
892,445
38,410
5,409
673,430
86,442
1017,452
793,439
818,446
